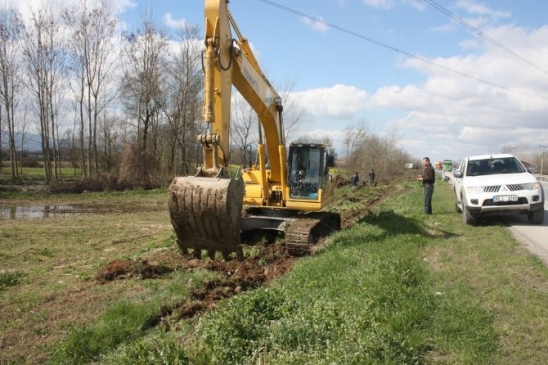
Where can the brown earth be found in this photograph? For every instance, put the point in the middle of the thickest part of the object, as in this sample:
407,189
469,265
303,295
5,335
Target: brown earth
271,261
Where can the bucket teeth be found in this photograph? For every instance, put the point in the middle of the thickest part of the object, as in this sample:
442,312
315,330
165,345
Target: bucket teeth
206,214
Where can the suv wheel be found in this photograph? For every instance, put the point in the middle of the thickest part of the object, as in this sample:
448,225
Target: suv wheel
536,217
467,217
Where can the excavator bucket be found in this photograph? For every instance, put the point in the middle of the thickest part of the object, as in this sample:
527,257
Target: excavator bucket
206,214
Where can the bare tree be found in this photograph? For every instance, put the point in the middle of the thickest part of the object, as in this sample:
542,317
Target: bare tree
520,150
180,101
388,155
356,137
293,109
111,143
143,75
44,62
244,129
93,57
245,123
146,60
11,28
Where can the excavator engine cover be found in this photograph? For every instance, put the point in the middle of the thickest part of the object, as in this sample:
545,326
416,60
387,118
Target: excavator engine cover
206,214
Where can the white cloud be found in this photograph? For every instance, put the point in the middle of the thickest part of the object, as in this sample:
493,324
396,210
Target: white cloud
173,23
315,24
383,4
474,7
338,101
451,115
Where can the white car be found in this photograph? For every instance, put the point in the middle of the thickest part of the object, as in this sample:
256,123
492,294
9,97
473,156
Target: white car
497,184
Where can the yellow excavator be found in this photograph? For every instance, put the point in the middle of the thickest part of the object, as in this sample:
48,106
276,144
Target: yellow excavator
210,210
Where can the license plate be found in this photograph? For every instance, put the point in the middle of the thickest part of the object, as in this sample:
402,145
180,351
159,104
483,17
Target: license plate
505,198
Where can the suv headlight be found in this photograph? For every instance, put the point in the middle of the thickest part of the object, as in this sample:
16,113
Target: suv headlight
474,189
532,186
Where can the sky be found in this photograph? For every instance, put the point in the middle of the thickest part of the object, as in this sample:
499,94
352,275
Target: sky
451,77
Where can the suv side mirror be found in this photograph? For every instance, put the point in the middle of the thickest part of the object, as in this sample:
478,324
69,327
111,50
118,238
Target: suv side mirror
457,174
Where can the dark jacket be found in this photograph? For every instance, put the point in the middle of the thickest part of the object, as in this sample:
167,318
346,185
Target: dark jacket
428,175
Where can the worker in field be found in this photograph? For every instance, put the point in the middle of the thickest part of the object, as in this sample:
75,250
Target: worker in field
372,177
355,179
428,178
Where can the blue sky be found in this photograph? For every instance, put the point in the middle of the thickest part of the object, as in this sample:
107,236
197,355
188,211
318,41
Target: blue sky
482,98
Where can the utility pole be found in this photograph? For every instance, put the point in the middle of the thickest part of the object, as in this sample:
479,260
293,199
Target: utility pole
542,158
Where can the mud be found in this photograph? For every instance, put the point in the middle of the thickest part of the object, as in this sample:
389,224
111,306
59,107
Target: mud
123,269
271,261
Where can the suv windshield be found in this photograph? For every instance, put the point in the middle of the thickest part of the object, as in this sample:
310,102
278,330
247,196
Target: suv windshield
491,166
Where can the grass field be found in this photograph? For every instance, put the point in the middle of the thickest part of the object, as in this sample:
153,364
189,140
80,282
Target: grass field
396,287
37,173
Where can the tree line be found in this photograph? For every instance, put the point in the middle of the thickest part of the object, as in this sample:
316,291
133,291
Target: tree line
98,97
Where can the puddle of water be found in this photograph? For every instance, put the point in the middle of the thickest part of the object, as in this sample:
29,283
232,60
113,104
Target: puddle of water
46,211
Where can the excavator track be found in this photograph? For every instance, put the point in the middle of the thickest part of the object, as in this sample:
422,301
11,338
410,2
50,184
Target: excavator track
303,233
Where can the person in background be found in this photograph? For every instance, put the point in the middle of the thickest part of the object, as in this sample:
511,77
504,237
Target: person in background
428,178
372,177
355,179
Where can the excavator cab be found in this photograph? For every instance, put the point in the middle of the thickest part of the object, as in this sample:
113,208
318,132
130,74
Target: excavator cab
307,168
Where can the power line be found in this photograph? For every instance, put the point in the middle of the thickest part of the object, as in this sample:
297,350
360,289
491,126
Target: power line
384,45
483,35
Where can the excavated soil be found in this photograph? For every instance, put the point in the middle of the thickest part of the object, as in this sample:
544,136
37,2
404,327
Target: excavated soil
270,262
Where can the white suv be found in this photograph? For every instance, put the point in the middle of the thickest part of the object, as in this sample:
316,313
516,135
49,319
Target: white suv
497,185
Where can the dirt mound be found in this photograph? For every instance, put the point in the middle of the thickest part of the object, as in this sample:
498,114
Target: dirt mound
123,269
271,261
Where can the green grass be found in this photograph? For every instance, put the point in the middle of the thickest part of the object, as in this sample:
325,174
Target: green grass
397,288
122,323
369,299
8,279
37,173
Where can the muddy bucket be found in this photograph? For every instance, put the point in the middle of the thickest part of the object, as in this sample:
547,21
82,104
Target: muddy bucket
206,214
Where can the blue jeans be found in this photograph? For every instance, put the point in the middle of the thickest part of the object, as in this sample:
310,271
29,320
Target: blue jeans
428,192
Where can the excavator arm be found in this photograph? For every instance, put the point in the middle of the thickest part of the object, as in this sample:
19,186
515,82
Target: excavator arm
230,62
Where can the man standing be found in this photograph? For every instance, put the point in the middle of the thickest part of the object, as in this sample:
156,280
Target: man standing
428,178
355,179
372,177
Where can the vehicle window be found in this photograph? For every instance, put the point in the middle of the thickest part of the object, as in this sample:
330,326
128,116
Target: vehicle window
494,166
304,174
478,167
513,165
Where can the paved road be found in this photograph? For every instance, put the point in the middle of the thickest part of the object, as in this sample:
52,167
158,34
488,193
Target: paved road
534,237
